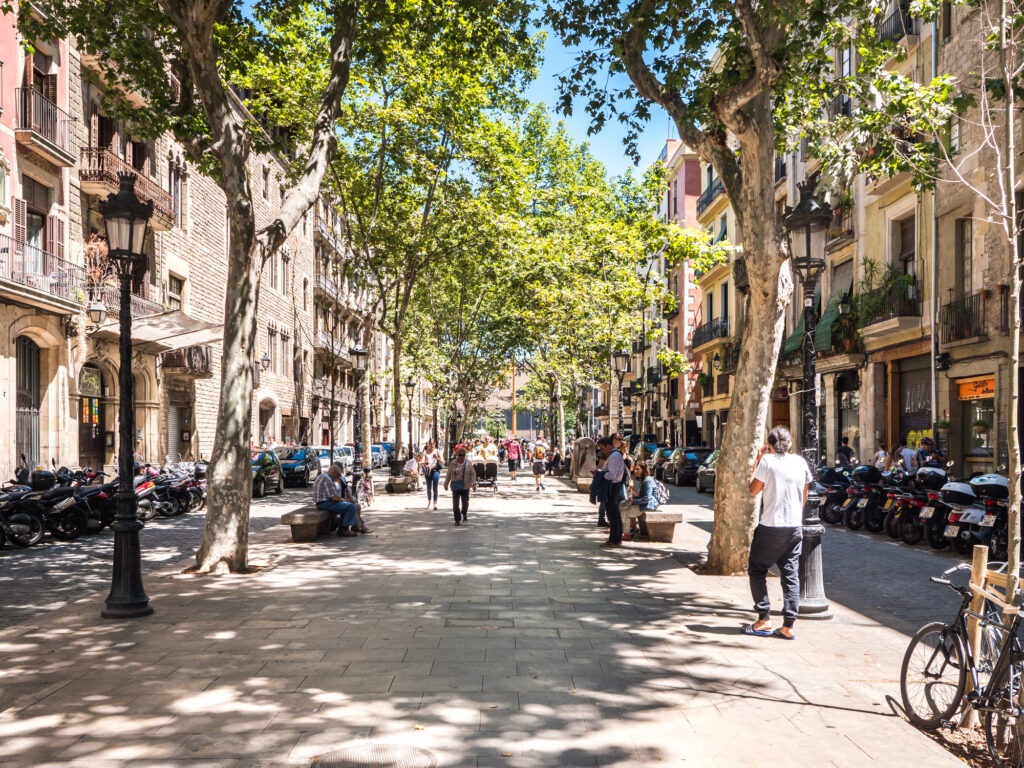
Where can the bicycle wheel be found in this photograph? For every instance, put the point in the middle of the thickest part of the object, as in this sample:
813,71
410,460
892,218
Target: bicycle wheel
1004,729
933,676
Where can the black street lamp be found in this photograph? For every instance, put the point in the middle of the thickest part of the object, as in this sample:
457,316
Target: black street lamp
621,358
126,219
410,388
807,225
374,414
359,357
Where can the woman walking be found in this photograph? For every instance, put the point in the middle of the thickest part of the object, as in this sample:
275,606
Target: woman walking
462,479
431,463
538,467
514,453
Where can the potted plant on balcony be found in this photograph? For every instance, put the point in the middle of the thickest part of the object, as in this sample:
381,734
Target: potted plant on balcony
980,427
704,379
942,427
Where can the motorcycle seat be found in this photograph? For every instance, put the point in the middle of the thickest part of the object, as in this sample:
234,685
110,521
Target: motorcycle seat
58,492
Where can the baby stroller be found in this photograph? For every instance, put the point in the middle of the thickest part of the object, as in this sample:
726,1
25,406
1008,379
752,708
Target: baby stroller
486,475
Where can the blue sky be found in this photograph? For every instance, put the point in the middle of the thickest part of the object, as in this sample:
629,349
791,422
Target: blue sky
608,145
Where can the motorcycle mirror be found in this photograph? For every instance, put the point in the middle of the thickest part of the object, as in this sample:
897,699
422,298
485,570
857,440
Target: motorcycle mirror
950,463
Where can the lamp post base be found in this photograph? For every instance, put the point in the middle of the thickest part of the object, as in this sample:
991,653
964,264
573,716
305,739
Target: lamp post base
813,603
127,598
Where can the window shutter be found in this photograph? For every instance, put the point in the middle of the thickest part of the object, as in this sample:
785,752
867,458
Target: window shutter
129,151
49,83
94,127
59,252
20,223
50,235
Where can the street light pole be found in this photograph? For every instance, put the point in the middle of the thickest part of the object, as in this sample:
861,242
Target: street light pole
126,219
359,355
621,359
808,225
410,388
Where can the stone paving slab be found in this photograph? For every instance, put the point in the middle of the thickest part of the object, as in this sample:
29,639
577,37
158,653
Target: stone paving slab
514,641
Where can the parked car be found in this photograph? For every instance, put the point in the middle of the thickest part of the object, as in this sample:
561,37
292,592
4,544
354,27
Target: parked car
378,455
705,480
681,467
658,459
266,473
298,463
346,454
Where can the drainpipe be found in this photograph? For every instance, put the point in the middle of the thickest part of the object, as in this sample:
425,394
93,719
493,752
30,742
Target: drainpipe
935,262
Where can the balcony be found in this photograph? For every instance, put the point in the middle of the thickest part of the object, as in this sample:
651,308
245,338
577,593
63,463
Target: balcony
191,362
329,345
896,27
323,231
709,195
731,358
709,332
841,229
99,175
780,169
327,287
890,309
722,383
45,128
670,311
840,106
110,295
740,277
640,345
30,275
963,319
655,374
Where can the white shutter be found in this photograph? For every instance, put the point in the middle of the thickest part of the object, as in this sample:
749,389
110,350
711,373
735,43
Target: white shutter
173,434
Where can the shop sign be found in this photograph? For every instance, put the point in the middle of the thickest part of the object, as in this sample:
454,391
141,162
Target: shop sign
978,388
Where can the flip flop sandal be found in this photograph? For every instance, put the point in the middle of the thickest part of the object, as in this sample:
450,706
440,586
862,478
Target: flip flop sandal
748,629
777,633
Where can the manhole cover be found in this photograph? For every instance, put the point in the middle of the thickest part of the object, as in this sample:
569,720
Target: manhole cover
379,755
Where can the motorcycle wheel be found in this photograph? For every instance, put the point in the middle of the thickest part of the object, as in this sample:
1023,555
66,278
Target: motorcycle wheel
72,525
179,506
195,499
832,513
963,545
32,529
874,521
146,510
853,518
999,545
892,523
910,530
933,535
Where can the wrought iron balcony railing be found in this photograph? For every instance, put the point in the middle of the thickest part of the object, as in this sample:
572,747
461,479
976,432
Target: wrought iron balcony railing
898,300
896,26
195,360
46,120
709,195
28,265
963,319
102,166
711,330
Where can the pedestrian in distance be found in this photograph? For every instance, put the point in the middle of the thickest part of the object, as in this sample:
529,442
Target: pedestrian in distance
538,467
331,493
515,454
614,476
844,454
906,453
431,464
461,479
782,479
881,457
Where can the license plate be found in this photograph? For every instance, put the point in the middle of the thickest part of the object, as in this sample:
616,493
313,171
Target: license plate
951,531
889,503
847,503
988,521
927,512
862,503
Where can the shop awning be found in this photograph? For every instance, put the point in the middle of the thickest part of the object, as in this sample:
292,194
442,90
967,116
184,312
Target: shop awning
823,330
167,330
795,340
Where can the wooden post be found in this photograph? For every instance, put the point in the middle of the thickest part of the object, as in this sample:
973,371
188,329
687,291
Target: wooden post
979,568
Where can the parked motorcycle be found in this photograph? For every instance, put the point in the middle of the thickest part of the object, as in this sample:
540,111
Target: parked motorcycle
974,507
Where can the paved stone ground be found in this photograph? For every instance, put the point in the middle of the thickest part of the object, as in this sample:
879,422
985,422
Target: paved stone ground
514,641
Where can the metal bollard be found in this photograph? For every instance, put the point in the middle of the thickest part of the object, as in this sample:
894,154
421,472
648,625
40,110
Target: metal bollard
813,603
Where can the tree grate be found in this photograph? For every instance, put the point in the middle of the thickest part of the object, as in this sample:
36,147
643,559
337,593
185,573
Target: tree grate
375,756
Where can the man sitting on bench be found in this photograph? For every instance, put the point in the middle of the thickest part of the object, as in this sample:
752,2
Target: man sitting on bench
330,492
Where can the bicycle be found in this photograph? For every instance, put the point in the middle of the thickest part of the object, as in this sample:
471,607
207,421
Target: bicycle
936,665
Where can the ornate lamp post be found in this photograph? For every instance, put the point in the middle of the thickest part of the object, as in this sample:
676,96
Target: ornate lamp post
410,388
359,357
621,358
126,220
374,414
807,225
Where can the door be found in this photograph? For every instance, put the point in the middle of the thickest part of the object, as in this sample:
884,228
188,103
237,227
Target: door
173,434
27,440
91,431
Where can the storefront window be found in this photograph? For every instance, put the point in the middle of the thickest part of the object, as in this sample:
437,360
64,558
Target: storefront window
977,423
849,420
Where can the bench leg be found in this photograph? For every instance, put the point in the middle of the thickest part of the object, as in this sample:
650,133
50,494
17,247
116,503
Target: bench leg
306,531
663,532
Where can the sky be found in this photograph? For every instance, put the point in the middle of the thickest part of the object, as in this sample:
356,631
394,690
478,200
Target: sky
608,145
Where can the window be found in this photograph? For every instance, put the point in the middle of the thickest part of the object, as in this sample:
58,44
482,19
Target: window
675,197
284,273
272,270
725,301
906,250
946,21
177,185
266,183
272,349
284,355
710,171
723,228
846,62
305,293
140,156
964,257
954,133
175,289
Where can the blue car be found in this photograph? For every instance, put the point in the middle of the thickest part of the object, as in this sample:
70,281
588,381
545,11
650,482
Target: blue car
298,464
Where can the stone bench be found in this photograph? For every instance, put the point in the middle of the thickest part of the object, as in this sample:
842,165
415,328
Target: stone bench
583,484
660,525
307,523
403,484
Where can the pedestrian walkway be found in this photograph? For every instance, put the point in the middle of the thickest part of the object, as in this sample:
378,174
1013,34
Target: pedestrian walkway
514,641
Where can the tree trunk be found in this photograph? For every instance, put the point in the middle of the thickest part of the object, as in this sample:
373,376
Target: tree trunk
397,390
226,535
771,288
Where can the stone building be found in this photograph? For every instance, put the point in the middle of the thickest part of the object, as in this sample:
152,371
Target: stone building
59,156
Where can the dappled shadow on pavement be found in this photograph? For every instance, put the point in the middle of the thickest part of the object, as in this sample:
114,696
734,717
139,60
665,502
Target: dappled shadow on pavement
513,641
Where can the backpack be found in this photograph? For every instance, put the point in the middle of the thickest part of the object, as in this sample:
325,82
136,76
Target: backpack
660,492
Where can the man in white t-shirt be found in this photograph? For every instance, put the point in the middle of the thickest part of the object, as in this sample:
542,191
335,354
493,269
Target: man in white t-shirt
782,479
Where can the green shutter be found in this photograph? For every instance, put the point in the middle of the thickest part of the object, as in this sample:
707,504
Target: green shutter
823,330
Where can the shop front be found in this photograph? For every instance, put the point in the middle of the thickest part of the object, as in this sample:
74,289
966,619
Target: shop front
975,422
